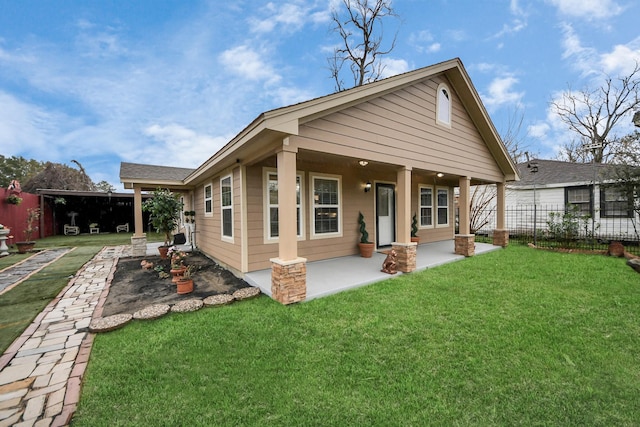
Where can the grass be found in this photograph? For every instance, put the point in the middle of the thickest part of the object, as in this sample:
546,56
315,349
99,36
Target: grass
20,305
513,337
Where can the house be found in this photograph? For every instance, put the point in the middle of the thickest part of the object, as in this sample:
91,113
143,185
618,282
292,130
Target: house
555,186
288,189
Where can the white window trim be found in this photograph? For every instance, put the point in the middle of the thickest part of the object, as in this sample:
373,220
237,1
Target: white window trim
435,219
223,208
312,210
420,206
438,94
204,205
267,217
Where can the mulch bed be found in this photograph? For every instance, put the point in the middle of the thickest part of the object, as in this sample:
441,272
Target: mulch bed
134,288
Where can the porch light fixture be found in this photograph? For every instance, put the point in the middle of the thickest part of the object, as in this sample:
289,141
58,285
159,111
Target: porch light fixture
363,163
367,187
439,174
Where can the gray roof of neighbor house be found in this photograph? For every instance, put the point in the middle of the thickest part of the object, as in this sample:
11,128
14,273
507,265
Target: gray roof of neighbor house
557,172
153,174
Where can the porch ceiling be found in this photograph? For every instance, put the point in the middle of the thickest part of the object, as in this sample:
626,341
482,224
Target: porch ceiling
318,160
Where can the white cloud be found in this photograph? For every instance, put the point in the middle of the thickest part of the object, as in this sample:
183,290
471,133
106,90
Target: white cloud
622,58
248,63
183,146
538,130
289,17
501,92
515,26
393,67
583,59
589,10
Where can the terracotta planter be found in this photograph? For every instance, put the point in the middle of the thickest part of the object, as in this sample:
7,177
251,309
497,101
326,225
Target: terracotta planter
366,249
184,286
163,251
415,239
177,273
24,247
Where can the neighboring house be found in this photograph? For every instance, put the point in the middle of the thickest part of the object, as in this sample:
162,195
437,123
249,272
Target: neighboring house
288,188
559,186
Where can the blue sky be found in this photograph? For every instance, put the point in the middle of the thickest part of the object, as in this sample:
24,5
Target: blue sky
170,82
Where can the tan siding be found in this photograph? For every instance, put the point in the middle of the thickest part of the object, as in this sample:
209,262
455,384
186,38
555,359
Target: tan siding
400,128
209,230
354,200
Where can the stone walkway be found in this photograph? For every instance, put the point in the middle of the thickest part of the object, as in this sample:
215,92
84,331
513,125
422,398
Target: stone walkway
11,276
41,372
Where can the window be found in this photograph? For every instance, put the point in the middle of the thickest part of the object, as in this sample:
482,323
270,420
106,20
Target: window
326,213
580,197
271,198
208,200
443,110
614,203
443,206
426,207
226,206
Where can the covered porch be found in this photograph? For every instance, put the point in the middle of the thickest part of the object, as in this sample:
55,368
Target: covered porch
335,275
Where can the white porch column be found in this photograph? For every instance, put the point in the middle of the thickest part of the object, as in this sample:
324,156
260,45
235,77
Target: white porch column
288,271
139,238
500,234
464,241
404,247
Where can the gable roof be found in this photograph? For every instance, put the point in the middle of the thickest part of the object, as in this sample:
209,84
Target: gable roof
281,122
557,172
153,175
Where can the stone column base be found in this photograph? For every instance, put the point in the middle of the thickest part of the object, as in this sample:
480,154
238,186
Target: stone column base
406,256
289,280
501,238
139,245
465,244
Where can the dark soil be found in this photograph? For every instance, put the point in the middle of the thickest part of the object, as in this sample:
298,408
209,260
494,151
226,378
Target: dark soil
134,288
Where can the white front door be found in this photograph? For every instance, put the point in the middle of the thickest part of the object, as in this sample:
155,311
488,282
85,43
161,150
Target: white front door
385,214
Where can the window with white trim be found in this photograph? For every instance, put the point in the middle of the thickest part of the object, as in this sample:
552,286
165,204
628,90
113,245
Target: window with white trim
580,198
271,199
226,206
326,214
426,206
443,105
208,200
442,201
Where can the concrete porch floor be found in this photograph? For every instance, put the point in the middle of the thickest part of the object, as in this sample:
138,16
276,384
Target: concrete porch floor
339,274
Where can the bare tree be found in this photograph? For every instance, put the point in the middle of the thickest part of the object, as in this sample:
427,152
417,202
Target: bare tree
593,114
512,136
361,33
481,203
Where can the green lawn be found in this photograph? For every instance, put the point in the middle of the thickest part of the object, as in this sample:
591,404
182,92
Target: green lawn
513,337
20,305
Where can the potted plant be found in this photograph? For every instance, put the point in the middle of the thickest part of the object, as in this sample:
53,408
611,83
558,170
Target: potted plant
366,247
13,199
164,208
185,283
189,217
177,263
33,215
414,229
